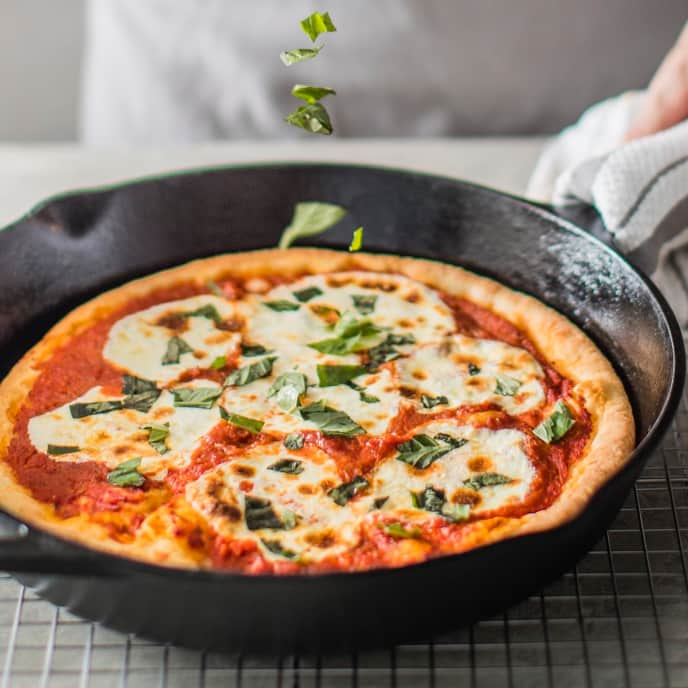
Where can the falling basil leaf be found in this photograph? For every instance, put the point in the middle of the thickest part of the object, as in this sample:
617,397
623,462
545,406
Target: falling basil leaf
356,240
344,493
219,362
258,513
317,23
294,440
287,389
136,385
421,451
290,57
275,547
143,401
251,424
157,436
506,386
91,408
312,94
557,425
175,348
251,350
208,311
196,397
477,482
292,466
331,375
216,289
253,371
473,369
282,305
397,530
430,402
453,442
330,421
126,474
313,118
311,217
307,294
364,303
59,449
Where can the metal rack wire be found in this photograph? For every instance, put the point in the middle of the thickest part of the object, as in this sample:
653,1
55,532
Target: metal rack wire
619,619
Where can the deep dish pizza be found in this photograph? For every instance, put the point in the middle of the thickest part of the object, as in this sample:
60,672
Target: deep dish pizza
308,411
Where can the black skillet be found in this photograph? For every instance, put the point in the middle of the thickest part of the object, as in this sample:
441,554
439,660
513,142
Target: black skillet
78,245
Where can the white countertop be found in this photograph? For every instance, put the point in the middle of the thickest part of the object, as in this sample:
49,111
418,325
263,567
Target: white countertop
30,173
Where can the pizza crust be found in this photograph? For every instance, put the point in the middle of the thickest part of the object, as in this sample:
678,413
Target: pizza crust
565,347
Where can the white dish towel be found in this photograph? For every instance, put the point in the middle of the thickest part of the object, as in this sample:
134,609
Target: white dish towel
640,189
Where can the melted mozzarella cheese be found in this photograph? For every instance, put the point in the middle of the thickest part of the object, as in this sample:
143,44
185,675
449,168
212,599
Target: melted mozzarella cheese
138,342
114,437
441,369
486,451
322,526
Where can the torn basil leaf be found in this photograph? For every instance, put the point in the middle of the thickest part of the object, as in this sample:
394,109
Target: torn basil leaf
397,530
251,350
208,311
477,482
434,501
456,512
379,503
386,351
251,424
453,442
313,118
312,94
292,466
142,402
317,23
136,385
219,362
350,334
290,57
311,217
506,386
356,240
421,451
91,408
430,402
59,449
362,394
253,371
126,474
345,492
287,389
331,375
196,397
176,346
307,294
557,425
364,303
473,369
294,440
330,421
157,436
275,547
282,305
259,514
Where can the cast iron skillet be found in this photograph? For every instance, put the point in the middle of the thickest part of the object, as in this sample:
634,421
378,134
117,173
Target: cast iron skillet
76,246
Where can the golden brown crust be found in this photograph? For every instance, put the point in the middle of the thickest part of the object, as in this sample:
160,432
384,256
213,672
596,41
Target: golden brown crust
567,349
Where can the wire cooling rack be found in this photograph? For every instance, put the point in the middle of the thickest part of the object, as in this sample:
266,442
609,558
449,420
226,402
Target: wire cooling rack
620,618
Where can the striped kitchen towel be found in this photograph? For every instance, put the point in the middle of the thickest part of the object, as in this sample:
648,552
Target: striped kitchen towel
640,189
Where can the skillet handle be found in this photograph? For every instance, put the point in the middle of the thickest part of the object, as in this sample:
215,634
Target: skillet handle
24,550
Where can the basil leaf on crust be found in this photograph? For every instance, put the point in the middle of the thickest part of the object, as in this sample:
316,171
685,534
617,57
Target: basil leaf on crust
397,530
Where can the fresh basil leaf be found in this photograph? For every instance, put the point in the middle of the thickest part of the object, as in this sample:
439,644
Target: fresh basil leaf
557,425
287,389
251,424
429,499
312,94
259,514
126,474
292,466
253,371
379,503
290,57
331,375
453,442
196,397
506,386
294,440
473,369
59,449
216,289
421,451
477,482
397,530
430,402
219,362
91,408
282,305
251,350
275,547
207,311
364,303
136,385
356,240
456,512
307,294
344,493
142,402
310,218
330,421
313,118
386,351
157,436
350,334
175,348
317,23
362,394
